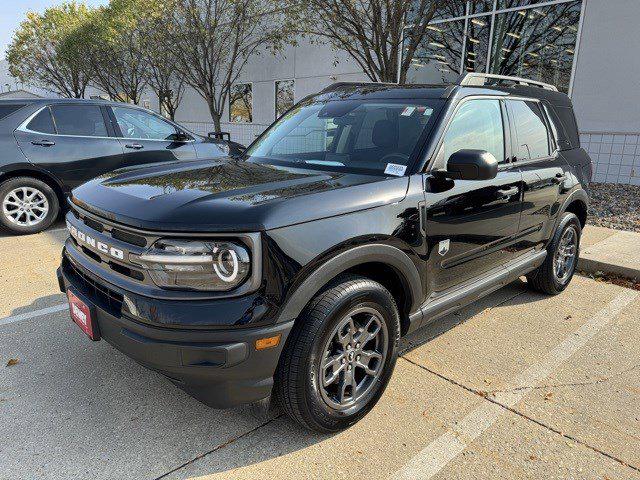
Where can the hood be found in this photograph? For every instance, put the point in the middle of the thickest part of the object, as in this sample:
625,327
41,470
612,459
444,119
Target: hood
231,195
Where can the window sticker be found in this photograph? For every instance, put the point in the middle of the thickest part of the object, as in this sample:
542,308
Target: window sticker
427,112
408,111
395,169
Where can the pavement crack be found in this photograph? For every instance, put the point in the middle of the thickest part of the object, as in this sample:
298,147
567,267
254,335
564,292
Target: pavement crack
218,447
484,395
561,385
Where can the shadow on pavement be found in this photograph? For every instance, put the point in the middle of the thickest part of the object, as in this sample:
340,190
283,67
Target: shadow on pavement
71,403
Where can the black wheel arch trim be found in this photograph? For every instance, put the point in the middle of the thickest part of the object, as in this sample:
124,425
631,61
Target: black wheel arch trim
578,194
373,253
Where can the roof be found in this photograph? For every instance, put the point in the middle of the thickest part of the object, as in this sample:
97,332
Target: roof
19,94
364,90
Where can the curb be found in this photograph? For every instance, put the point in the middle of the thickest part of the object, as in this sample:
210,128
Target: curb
592,266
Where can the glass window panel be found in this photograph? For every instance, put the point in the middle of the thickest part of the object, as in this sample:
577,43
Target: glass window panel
437,58
516,3
453,9
42,123
531,131
480,6
80,120
478,31
241,103
537,43
284,96
143,125
477,125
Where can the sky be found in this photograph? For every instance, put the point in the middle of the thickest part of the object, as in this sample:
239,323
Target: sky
13,12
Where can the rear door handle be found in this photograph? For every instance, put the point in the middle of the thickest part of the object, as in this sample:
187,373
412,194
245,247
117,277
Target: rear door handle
507,193
43,143
134,146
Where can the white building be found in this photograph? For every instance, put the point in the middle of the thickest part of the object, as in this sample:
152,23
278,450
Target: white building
586,47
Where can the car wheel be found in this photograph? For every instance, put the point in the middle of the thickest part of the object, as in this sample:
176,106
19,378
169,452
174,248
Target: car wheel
340,355
28,205
553,276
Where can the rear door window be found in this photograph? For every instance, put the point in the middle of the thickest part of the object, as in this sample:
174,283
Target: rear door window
79,120
532,136
6,110
42,122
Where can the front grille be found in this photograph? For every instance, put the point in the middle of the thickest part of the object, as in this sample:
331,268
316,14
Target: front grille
97,226
104,231
105,295
129,237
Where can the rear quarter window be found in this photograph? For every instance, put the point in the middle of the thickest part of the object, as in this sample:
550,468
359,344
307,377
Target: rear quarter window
568,120
6,110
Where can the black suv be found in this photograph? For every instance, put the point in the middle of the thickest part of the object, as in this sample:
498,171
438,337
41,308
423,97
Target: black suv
49,146
363,213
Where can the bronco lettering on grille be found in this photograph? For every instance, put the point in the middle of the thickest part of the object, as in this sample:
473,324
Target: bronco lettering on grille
89,241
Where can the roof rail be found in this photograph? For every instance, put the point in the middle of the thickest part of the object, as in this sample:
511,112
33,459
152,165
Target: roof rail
479,79
337,85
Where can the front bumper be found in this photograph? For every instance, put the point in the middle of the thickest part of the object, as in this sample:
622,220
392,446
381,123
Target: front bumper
219,367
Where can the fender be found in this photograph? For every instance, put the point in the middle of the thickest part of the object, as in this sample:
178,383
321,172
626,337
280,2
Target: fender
577,194
381,253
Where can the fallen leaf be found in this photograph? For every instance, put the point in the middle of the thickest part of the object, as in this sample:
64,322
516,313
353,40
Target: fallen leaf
548,396
532,457
568,317
12,362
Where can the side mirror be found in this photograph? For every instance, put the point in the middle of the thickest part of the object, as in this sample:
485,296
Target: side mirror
472,165
180,137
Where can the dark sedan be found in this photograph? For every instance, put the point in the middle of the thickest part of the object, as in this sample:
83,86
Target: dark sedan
49,146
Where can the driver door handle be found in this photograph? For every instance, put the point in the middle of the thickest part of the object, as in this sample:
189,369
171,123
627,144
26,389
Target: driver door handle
134,146
43,143
507,193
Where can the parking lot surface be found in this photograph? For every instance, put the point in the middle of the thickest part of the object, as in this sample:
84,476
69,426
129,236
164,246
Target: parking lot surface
518,385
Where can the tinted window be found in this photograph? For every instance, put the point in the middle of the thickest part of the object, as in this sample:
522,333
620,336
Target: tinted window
568,119
42,122
476,125
80,120
135,123
531,132
6,110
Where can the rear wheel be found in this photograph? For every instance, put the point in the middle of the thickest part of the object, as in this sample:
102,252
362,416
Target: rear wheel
340,355
553,276
28,205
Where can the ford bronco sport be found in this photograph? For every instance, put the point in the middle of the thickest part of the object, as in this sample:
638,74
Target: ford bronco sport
363,213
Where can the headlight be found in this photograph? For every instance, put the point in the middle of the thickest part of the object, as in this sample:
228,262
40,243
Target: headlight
197,264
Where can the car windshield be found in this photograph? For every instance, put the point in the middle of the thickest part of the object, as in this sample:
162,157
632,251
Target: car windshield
363,136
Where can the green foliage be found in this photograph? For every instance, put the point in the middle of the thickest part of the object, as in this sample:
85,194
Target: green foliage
46,50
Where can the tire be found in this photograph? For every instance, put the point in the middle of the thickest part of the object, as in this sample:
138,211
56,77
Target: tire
44,202
299,377
545,278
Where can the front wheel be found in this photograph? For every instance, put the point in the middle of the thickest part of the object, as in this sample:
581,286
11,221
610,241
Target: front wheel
553,276
340,355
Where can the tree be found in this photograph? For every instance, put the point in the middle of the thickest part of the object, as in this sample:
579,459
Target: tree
372,31
114,42
214,39
46,51
161,74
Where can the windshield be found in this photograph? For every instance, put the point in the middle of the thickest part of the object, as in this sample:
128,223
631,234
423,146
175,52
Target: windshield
364,136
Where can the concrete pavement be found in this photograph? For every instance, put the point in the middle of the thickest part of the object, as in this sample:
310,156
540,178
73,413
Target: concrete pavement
611,251
518,385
